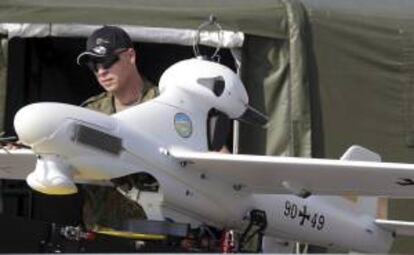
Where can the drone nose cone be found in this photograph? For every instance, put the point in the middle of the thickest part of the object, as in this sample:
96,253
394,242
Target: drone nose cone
34,122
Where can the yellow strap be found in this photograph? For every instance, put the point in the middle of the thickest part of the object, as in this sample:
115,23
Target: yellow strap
127,234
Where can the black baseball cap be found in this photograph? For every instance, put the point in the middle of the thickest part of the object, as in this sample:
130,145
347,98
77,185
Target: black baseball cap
103,42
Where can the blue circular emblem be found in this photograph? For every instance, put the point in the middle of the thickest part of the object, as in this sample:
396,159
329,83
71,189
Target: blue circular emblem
183,125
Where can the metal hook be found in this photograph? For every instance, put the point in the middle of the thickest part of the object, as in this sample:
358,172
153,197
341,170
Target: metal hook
212,21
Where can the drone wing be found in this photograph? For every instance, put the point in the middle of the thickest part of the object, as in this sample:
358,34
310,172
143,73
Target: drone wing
16,164
305,176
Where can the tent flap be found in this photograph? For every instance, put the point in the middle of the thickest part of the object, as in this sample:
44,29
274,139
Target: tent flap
276,76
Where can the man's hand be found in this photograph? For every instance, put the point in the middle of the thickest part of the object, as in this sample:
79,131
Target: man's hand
11,143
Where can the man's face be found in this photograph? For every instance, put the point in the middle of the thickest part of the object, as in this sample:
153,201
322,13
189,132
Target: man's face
113,72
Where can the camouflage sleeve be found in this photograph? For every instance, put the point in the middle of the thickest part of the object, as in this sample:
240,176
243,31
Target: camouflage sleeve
106,207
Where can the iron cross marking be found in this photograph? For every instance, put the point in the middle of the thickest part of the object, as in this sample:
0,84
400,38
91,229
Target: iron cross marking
304,215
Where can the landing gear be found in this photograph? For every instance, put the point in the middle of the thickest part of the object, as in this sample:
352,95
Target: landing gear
208,239
252,238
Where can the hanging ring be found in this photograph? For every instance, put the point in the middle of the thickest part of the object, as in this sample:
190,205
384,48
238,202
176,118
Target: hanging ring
212,21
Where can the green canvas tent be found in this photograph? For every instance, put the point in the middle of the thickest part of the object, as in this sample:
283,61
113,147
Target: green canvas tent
329,73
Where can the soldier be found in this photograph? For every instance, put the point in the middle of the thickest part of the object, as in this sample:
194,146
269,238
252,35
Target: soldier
111,56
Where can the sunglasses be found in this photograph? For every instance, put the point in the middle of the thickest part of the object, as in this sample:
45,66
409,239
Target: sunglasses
105,62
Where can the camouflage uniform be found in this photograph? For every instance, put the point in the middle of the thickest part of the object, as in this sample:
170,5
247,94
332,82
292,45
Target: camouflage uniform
105,206
104,102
